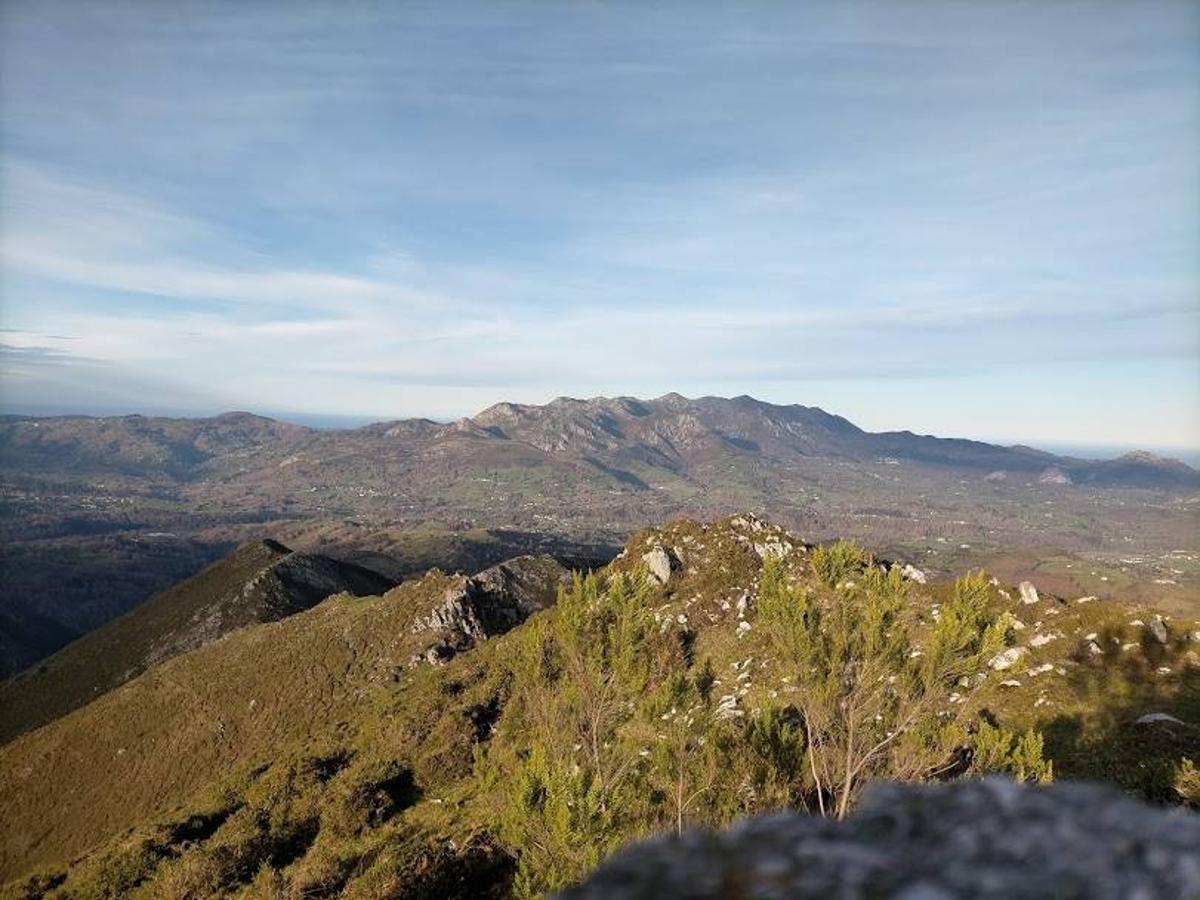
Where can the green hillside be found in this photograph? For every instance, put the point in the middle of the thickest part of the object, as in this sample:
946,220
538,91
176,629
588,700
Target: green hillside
259,582
710,671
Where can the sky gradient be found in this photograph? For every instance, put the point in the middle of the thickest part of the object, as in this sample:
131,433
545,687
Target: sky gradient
976,219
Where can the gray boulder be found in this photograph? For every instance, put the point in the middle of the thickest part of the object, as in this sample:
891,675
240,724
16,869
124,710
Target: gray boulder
1158,628
987,839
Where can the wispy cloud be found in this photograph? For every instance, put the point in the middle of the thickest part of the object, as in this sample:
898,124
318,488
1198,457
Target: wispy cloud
424,208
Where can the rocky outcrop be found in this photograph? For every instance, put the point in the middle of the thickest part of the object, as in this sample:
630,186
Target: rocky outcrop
659,564
978,839
490,603
1054,475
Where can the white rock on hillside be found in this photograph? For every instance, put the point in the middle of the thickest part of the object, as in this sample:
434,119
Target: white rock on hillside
772,550
1006,658
658,562
912,573
1029,593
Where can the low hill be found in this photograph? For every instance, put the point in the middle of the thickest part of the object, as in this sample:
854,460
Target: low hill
435,739
171,731
261,581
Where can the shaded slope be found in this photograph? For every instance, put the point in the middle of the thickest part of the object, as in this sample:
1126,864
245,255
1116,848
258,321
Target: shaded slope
26,636
259,582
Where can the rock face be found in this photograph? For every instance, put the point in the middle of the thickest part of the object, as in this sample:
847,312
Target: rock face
987,839
1029,593
491,603
658,562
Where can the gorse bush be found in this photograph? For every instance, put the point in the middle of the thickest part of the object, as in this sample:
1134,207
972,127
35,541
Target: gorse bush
582,675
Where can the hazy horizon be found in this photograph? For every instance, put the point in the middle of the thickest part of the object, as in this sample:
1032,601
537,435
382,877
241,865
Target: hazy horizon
962,219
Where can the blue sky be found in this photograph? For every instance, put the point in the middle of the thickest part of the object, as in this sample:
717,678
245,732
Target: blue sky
977,219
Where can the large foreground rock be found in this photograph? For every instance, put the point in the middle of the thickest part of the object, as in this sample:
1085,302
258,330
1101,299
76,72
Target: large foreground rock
990,838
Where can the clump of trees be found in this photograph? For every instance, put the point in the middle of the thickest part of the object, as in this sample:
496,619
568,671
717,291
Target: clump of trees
877,681
619,735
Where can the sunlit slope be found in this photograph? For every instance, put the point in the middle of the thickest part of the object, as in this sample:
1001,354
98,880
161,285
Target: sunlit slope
259,582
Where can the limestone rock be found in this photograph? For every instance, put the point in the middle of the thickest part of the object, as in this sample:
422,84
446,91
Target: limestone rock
1029,593
986,839
773,549
490,603
659,563
912,573
1004,659
1054,475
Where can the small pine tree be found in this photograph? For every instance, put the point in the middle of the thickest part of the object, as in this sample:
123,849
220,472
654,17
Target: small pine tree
581,677
874,678
689,749
774,757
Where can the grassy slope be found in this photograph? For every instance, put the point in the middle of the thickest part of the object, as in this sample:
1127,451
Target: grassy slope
140,750
269,703
252,584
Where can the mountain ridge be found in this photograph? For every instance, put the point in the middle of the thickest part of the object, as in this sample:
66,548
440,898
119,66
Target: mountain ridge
336,751
261,581
651,431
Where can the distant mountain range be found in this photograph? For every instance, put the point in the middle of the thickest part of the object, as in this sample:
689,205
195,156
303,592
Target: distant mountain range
624,440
